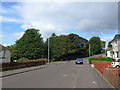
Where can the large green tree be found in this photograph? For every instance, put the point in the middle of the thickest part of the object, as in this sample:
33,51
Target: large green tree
67,46
95,45
30,45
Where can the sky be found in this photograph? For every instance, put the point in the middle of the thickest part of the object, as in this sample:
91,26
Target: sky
87,19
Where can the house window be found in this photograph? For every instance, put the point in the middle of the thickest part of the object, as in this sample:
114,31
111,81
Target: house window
117,54
2,54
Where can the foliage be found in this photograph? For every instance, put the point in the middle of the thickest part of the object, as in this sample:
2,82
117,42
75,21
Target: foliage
23,59
63,47
30,45
109,44
67,47
99,59
95,45
14,52
103,43
16,65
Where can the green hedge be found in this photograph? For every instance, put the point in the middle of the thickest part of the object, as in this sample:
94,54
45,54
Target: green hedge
22,59
22,64
99,59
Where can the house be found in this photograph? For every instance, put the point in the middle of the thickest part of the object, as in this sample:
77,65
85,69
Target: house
4,54
115,51
108,53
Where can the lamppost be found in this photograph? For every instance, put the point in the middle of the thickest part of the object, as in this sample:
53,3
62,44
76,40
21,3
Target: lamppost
48,51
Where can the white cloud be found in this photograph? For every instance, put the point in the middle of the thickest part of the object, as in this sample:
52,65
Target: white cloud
17,35
7,19
5,45
1,36
91,18
107,39
45,29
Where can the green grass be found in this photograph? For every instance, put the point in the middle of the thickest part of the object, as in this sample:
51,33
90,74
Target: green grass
99,59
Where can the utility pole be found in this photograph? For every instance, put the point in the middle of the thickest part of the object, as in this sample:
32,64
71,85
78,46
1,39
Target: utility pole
48,50
89,50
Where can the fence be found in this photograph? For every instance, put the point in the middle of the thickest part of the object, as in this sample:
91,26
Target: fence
113,76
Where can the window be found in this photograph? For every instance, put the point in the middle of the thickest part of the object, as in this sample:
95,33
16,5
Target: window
2,54
117,54
118,60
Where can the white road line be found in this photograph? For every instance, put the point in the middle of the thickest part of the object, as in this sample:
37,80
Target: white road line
65,75
94,82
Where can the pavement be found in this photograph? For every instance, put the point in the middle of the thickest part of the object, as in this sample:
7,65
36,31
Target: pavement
63,75
21,70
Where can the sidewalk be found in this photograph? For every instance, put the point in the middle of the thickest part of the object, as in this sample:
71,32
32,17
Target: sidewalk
22,70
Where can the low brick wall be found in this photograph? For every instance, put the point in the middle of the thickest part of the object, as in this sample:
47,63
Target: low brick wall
101,65
113,76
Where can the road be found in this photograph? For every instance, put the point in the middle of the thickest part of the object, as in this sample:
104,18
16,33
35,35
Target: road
65,75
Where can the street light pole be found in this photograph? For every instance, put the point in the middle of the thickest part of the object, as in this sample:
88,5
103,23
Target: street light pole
48,50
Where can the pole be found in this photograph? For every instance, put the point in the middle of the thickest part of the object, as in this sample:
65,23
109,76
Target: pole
48,50
89,49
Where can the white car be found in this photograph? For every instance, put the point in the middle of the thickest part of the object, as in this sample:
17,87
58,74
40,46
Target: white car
116,62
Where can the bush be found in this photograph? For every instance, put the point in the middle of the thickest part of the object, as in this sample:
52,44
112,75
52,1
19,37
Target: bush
22,59
99,59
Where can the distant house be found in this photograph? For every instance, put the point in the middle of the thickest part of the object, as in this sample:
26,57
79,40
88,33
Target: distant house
4,54
115,51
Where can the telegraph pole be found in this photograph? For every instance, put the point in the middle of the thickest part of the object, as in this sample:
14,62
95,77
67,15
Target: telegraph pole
48,51
89,50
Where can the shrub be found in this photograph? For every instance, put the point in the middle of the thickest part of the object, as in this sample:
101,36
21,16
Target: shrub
99,59
22,59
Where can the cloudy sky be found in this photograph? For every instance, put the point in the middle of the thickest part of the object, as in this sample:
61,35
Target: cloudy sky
87,19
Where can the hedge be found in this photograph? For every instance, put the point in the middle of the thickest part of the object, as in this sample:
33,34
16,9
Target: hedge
99,59
22,64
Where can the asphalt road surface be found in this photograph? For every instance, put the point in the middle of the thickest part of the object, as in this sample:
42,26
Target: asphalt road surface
65,75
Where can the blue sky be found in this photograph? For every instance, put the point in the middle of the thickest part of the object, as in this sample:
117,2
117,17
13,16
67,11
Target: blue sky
85,19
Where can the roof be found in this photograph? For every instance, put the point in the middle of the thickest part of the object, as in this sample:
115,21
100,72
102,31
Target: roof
116,37
3,47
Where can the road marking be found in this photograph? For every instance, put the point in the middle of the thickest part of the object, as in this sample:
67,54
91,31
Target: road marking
74,87
94,82
65,75
92,65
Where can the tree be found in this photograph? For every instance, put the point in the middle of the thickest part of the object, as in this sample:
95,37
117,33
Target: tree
109,44
30,45
103,43
95,45
67,47
14,52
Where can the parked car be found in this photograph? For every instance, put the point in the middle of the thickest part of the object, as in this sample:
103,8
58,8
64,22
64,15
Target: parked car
79,61
116,62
